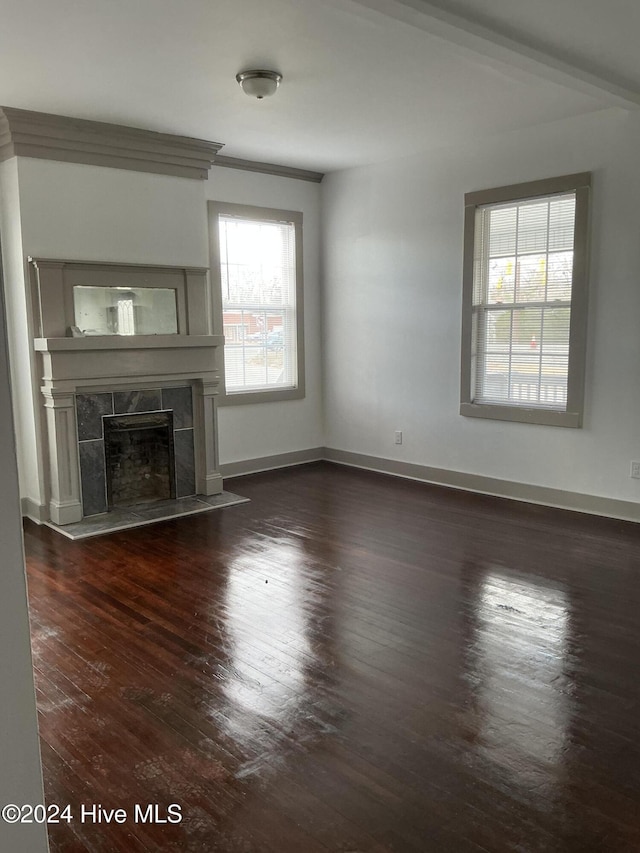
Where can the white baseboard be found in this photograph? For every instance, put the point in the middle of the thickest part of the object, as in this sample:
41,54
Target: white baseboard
543,495
591,504
268,463
35,511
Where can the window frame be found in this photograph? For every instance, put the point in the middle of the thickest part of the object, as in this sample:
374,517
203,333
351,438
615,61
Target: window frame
265,214
573,414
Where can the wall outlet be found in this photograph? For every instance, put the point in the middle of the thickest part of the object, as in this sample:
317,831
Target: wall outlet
398,435
635,470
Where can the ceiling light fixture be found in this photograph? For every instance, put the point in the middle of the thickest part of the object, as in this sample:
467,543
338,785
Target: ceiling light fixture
259,84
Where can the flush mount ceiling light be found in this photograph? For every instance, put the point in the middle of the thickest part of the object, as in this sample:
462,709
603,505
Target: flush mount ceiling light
259,84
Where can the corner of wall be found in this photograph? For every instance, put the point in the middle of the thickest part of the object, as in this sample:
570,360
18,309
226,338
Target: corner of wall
22,360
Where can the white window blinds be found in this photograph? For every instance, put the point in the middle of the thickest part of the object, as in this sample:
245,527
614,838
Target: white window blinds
522,288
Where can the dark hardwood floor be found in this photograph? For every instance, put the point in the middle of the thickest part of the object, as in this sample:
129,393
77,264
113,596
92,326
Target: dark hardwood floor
350,662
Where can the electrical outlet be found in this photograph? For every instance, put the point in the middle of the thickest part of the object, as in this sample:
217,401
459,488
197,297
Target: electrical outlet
635,470
399,441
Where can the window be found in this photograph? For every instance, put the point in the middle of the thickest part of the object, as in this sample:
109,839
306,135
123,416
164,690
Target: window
257,254
525,302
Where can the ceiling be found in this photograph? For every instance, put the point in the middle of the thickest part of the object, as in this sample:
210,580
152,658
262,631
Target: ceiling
364,80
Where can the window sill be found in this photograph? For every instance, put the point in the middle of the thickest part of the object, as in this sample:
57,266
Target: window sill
239,398
523,415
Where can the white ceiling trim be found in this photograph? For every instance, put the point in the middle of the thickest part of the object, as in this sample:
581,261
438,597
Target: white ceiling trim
498,48
268,168
51,137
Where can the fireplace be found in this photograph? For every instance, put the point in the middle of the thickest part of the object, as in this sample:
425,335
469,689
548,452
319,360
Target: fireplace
166,355
136,446
139,456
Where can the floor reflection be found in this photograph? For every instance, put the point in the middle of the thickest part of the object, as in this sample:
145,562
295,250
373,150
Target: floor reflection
519,657
273,604
265,610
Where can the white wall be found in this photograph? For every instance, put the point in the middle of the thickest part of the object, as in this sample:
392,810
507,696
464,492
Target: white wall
266,429
392,260
392,237
94,213
20,776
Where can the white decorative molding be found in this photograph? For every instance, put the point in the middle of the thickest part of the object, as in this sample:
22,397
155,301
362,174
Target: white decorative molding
24,133
497,46
65,505
208,476
74,363
268,169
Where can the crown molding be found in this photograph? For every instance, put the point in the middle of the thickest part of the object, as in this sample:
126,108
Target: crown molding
268,169
474,34
24,133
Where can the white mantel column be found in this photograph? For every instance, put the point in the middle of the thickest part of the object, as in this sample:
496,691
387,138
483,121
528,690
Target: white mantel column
65,505
209,479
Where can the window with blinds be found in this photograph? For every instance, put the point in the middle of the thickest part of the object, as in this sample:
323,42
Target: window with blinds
522,301
259,267
526,264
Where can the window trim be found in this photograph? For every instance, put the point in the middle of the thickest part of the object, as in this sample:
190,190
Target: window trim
581,184
266,214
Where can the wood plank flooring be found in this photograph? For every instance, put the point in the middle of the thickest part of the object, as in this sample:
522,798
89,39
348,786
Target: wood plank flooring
350,663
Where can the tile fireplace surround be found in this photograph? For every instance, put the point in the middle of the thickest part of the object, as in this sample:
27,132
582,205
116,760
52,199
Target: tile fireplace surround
84,378
96,412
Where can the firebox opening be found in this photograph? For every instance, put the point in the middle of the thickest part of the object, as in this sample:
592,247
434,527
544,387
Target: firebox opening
140,464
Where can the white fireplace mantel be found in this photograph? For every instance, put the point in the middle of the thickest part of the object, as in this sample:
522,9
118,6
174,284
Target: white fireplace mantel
94,364
126,358
119,362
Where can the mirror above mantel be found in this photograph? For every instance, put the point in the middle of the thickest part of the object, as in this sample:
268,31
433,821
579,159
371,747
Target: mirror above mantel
103,299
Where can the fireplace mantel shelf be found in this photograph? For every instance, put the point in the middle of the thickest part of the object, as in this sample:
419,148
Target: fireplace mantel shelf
126,342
